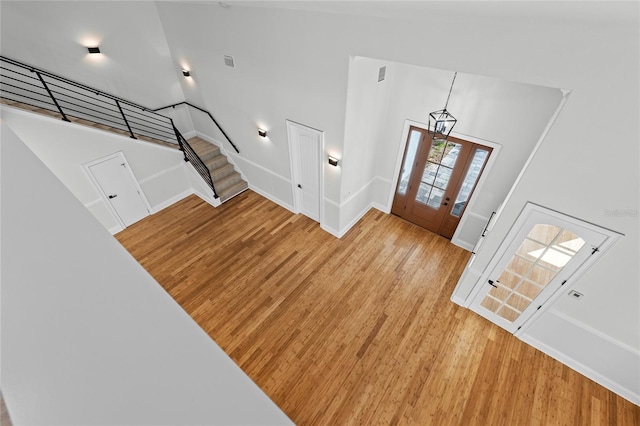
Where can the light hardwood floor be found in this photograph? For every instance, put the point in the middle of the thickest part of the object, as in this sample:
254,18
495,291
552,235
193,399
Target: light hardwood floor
358,330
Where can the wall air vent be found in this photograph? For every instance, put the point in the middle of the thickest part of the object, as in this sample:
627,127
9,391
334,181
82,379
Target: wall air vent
381,73
228,61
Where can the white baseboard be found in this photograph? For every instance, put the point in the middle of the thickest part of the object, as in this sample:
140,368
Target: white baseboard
330,230
381,207
163,205
271,198
463,244
457,300
583,369
115,229
215,202
600,357
355,220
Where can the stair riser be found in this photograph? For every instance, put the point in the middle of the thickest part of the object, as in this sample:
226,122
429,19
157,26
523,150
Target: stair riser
227,182
232,191
210,155
216,162
222,173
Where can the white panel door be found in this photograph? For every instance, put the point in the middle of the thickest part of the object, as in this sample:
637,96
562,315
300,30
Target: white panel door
118,185
544,251
306,145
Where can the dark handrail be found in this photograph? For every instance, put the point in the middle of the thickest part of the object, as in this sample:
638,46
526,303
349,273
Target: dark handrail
206,112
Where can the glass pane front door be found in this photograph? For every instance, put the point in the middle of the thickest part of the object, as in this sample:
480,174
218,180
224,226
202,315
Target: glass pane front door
435,172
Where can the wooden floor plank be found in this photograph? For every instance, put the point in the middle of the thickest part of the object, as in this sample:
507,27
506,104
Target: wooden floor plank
358,330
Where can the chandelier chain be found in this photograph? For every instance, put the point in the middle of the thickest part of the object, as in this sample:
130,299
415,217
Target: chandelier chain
450,89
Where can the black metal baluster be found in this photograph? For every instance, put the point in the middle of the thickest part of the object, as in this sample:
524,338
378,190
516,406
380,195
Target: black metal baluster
124,117
64,117
179,140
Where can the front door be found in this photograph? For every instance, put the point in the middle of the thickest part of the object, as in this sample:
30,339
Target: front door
437,180
119,187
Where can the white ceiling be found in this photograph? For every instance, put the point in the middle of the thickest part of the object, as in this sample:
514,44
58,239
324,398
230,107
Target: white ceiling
493,11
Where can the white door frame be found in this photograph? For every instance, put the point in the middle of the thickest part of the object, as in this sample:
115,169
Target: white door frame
103,195
528,210
321,157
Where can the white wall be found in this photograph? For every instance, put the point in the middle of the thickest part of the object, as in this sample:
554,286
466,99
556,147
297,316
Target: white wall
135,63
65,147
510,115
293,64
88,336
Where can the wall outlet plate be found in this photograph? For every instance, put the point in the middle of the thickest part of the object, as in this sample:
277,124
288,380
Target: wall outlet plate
575,295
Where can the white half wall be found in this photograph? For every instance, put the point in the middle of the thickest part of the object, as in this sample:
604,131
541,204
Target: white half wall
88,336
65,147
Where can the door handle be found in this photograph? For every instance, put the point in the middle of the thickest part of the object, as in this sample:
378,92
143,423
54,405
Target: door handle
299,186
113,196
492,284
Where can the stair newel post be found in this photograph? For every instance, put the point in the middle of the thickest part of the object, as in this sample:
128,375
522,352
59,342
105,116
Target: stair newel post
124,117
55,102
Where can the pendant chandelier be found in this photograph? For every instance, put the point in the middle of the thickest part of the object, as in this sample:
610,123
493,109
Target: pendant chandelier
441,122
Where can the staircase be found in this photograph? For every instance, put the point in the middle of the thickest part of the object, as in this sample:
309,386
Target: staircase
41,92
227,180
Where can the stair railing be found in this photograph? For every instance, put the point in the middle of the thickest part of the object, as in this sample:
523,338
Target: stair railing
76,102
197,163
206,112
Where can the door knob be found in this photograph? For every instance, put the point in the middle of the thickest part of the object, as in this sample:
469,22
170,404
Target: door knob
299,186
113,196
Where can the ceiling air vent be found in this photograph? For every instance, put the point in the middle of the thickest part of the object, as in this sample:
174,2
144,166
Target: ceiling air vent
228,61
381,73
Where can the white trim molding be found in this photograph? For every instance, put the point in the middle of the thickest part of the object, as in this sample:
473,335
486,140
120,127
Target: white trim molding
611,363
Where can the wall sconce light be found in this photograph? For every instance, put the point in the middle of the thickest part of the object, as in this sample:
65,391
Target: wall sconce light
95,49
186,73
262,132
333,161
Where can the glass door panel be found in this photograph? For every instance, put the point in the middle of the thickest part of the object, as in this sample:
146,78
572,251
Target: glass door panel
437,173
544,250
409,160
529,270
471,178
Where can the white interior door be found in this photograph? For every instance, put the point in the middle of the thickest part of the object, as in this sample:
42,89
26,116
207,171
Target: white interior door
305,146
544,251
120,188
